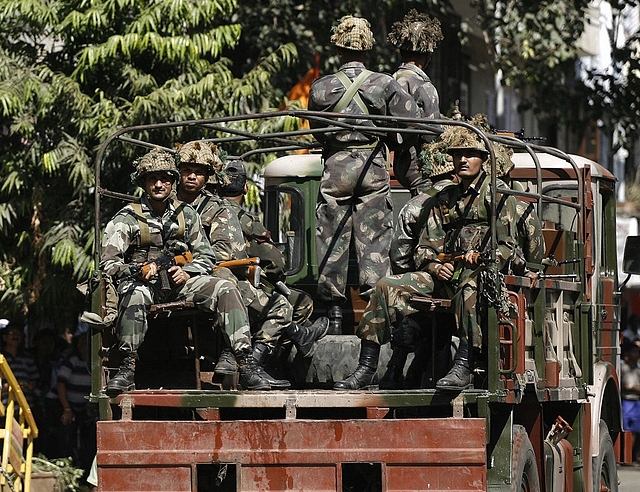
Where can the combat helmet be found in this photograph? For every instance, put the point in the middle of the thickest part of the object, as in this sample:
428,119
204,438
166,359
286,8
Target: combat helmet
236,178
353,33
156,160
205,154
416,32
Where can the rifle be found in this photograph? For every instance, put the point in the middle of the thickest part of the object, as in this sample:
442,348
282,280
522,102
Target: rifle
254,275
453,257
251,264
178,254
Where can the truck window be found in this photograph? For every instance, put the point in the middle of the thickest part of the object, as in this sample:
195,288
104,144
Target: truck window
286,224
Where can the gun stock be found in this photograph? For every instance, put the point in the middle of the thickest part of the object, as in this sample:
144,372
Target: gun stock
246,262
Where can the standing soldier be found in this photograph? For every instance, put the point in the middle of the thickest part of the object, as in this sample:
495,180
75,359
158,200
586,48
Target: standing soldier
416,37
143,231
354,200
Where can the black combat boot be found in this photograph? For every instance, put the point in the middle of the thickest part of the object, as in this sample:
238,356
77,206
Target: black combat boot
305,337
366,370
250,377
260,353
124,380
394,377
334,312
459,376
226,363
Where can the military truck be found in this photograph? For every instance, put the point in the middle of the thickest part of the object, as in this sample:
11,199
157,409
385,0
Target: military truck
544,414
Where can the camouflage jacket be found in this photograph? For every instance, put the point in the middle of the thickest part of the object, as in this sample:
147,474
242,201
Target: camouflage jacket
457,220
417,83
259,243
380,93
530,235
407,230
122,244
221,226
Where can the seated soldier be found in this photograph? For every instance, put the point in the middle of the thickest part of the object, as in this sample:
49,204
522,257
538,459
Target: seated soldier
302,332
270,313
456,222
141,232
437,175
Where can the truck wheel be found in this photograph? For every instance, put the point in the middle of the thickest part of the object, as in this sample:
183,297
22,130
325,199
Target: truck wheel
605,474
524,471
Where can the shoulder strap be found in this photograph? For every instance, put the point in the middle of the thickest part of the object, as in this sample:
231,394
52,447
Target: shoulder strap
179,206
351,94
145,235
203,203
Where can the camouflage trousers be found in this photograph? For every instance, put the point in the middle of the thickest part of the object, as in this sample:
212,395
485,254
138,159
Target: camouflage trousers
406,170
302,304
389,303
347,210
269,314
209,294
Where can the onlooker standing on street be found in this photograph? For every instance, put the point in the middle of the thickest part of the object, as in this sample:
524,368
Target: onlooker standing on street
630,375
416,36
22,363
353,200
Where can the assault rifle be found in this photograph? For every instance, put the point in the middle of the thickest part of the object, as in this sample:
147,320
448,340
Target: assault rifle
253,273
454,257
177,254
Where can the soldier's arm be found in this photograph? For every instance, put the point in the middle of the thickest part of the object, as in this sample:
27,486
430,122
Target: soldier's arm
118,238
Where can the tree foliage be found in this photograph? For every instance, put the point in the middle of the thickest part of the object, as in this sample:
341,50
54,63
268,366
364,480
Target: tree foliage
71,72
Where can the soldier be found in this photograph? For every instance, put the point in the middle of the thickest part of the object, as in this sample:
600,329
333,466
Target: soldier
354,188
416,37
439,173
200,163
259,244
455,220
142,231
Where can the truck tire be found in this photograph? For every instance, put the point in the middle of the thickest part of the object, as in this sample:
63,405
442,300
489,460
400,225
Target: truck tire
605,473
524,470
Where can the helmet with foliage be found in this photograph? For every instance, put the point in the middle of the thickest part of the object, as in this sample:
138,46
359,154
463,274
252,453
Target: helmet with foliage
156,160
353,33
416,32
435,155
205,154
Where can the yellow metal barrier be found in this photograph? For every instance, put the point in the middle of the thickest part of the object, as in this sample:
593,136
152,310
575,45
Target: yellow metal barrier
18,433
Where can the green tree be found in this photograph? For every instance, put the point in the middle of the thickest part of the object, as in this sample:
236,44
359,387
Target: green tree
71,72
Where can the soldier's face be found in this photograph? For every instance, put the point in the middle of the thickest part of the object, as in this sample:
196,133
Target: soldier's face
158,185
193,177
468,163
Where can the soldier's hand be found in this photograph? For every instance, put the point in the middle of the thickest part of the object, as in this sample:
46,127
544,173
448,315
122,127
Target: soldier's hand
149,271
445,271
471,259
178,275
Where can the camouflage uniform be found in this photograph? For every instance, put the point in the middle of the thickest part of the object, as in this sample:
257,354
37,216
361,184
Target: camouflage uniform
408,228
354,195
458,222
259,243
406,167
416,36
530,236
269,313
221,226
121,246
